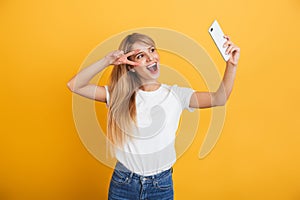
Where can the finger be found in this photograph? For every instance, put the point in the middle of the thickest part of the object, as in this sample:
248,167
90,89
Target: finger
118,54
227,43
132,53
118,62
235,50
226,37
229,49
132,63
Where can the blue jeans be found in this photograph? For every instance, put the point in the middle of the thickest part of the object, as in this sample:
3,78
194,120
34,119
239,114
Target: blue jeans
126,185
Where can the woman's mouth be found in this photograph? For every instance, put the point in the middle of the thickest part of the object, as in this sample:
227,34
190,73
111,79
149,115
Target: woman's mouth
153,68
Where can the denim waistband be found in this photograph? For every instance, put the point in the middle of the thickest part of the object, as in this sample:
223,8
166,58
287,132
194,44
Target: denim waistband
120,167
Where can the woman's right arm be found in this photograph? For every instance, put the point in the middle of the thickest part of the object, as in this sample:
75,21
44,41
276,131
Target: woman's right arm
79,84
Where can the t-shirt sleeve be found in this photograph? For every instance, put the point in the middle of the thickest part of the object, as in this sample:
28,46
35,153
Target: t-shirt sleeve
184,95
107,95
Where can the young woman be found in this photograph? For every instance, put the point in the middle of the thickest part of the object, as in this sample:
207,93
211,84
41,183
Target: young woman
143,115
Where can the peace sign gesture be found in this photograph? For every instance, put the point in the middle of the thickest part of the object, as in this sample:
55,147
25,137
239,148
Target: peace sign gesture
118,57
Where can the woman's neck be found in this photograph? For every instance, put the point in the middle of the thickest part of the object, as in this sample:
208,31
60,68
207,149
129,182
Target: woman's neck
150,86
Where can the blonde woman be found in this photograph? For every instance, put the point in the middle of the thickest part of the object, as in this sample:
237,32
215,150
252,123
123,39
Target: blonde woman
143,115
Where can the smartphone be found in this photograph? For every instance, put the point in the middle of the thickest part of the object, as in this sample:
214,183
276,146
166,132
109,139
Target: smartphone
217,35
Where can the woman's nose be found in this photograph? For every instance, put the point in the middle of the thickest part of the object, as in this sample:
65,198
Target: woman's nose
150,57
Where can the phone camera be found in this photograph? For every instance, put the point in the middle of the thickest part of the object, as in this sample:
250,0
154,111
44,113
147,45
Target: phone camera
211,29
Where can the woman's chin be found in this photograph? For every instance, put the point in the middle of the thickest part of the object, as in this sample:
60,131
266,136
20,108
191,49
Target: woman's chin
155,75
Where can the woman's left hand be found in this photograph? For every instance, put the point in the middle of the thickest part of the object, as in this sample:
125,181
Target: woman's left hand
233,51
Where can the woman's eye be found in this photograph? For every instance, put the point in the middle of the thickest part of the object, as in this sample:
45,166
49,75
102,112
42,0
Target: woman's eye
152,50
139,56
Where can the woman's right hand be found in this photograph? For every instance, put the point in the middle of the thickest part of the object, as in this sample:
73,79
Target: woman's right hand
118,57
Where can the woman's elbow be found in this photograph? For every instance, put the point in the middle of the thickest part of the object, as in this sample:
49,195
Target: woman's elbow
70,85
222,103
219,100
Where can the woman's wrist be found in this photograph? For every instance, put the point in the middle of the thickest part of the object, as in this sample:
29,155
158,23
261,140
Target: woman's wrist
106,61
231,65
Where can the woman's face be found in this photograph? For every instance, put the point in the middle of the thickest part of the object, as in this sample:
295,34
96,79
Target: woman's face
148,59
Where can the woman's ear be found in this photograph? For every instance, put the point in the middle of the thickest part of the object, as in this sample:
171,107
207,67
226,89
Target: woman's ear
130,68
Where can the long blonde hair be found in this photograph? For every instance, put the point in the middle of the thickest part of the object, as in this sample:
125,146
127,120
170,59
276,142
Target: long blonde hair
122,89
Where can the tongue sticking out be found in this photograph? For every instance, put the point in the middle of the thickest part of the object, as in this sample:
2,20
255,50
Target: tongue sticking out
153,68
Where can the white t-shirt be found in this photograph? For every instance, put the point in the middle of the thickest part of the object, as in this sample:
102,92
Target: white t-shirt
151,149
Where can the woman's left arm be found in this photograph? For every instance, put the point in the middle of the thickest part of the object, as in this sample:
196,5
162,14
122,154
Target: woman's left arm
220,97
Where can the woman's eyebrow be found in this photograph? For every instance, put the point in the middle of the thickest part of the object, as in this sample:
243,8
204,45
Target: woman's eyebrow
151,47
142,51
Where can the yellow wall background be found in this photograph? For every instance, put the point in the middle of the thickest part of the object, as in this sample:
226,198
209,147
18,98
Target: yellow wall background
43,44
